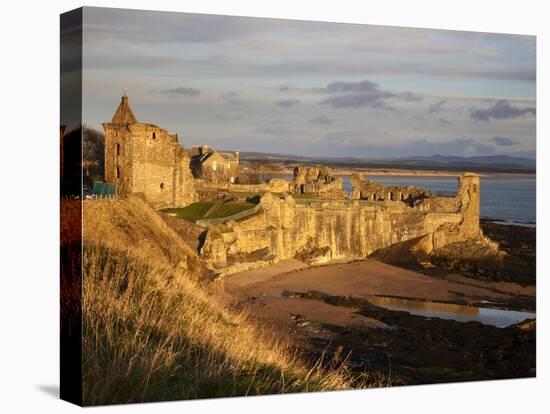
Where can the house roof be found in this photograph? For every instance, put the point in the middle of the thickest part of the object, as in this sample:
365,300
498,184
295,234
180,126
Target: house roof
196,152
204,157
228,156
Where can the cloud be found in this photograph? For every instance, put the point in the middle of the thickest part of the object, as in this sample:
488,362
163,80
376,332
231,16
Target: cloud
437,107
444,121
225,117
380,144
232,98
323,119
410,96
309,47
131,26
180,91
356,101
287,103
275,130
503,141
356,95
282,136
501,110
364,86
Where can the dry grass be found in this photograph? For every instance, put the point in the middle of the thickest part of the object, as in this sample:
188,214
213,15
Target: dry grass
151,334
131,225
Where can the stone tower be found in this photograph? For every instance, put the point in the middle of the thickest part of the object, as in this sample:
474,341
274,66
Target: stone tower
468,196
146,159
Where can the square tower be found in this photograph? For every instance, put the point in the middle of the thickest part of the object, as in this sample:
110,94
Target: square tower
146,159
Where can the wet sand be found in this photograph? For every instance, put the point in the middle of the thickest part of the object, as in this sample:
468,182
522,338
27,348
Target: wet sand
358,278
267,293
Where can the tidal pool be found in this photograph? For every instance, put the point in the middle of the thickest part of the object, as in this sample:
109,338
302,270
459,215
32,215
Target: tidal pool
461,313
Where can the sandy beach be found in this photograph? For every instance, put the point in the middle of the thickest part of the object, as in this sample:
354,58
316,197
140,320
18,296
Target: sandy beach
267,292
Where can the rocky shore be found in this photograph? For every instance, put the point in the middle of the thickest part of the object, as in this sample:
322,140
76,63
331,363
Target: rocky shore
327,311
417,350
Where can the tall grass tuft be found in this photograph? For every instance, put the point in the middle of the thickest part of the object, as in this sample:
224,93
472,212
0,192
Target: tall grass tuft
151,334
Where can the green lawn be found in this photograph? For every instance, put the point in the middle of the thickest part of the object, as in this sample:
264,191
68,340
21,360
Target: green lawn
228,209
192,212
197,211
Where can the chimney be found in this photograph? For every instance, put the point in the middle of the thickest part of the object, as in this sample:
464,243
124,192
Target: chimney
237,155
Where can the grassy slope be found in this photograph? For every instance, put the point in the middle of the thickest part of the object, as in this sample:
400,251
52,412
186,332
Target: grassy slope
132,225
151,333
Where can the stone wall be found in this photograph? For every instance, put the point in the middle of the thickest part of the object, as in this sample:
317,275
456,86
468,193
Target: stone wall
275,185
344,229
370,190
317,180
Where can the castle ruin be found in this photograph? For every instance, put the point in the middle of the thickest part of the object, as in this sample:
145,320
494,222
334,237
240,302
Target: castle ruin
145,159
320,231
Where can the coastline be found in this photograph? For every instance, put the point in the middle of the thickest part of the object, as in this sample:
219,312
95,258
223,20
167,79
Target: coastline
408,173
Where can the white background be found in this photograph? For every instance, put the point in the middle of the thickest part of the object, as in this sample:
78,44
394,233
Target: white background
29,209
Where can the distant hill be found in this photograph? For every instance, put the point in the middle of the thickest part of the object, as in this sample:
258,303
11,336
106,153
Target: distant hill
492,163
498,161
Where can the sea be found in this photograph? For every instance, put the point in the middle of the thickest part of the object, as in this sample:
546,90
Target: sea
507,199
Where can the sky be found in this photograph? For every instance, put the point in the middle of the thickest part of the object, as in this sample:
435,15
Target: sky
313,88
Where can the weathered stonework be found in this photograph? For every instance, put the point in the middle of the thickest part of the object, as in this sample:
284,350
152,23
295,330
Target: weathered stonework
370,190
317,180
322,231
275,185
144,158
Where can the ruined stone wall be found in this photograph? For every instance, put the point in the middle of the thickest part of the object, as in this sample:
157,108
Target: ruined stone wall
370,190
317,180
118,157
275,185
160,166
342,229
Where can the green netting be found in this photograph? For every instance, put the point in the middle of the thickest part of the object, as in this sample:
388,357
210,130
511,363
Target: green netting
101,188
